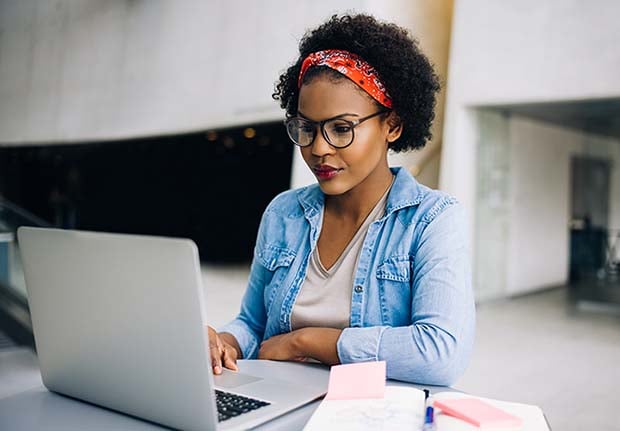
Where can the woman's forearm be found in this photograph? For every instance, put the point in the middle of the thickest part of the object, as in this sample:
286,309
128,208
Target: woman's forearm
320,344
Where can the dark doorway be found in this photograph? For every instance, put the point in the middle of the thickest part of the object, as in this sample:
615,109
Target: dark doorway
590,182
209,186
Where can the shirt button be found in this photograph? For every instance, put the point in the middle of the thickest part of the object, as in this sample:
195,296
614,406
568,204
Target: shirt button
358,289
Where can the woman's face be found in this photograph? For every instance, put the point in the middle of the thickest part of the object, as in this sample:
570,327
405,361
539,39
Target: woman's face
340,170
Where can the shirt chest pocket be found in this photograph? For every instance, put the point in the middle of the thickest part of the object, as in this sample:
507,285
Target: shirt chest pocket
277,260
394,278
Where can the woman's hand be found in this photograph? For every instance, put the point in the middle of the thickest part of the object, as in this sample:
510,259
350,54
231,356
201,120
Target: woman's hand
283,347
224,351
316,343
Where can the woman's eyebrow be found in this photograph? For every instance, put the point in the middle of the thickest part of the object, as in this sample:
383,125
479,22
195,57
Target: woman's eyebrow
346,114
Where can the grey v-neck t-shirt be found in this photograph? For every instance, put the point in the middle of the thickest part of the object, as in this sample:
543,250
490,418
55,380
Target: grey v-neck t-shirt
324,299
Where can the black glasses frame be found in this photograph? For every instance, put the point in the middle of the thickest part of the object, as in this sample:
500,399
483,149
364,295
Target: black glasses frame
321,124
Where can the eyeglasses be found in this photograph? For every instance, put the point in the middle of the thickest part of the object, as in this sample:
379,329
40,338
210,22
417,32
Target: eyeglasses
338,132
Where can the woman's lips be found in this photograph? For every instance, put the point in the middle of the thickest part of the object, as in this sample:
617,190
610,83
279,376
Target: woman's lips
325,172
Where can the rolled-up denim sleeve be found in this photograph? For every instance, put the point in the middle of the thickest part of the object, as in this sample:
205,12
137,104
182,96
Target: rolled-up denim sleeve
436,346
249,325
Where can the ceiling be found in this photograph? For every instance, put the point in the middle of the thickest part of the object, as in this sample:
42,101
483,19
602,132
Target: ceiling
600,116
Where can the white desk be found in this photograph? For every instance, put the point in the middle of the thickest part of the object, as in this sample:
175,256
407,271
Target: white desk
37,409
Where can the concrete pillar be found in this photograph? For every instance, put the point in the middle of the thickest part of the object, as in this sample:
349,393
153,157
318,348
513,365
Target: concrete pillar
429,21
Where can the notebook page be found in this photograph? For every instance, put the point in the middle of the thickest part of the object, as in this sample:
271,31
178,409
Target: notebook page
402,408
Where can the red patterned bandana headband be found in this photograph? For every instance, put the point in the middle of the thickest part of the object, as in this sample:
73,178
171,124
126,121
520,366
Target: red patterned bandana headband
353,67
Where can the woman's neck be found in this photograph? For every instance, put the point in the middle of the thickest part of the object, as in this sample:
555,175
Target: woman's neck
355,205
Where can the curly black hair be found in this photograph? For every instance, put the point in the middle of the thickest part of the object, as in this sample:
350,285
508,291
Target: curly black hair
404,70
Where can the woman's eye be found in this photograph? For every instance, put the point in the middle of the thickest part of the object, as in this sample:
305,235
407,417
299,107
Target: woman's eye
341,128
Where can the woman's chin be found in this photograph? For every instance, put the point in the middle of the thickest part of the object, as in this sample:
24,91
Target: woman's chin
332,188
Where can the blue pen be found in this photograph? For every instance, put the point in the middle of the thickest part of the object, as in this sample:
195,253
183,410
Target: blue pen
429,419
428,414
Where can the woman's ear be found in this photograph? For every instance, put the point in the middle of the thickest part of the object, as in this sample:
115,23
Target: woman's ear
395,127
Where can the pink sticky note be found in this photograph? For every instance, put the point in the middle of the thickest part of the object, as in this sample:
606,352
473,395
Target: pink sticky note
355,381
477,412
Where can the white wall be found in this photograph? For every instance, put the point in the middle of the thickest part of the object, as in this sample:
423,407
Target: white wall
540,199
92,70
518,51
521,51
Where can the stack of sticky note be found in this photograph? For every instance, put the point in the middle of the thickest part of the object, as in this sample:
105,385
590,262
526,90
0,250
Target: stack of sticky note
355,381
478,413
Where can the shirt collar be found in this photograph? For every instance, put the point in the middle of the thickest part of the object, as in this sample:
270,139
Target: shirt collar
405,192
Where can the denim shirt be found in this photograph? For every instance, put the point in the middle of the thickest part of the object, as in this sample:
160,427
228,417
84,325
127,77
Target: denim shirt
412,303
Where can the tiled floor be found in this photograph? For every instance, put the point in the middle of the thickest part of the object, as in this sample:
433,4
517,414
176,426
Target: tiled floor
538,349
535,349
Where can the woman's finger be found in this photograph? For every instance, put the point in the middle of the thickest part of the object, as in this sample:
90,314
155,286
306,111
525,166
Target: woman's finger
214,339
216,359
215,350
230,358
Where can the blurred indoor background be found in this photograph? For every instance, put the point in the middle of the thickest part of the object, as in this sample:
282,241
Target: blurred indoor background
156,117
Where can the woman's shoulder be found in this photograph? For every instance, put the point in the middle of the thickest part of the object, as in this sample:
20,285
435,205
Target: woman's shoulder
434,203
291,203
420,203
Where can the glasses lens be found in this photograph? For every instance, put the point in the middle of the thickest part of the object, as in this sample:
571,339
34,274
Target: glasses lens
339,132
300,131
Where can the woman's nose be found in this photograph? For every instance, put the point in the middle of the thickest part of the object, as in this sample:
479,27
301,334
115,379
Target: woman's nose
320,146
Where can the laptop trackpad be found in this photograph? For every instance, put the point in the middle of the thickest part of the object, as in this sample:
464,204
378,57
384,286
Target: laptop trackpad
231,379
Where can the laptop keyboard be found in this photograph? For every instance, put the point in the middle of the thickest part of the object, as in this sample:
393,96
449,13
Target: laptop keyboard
231,405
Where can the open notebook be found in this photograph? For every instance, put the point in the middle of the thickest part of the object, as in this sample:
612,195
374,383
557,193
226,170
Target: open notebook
403,408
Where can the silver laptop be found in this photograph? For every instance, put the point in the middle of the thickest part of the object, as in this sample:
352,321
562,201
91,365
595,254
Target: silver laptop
119,321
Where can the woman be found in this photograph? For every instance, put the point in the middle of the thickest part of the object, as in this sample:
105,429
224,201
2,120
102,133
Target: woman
367,264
